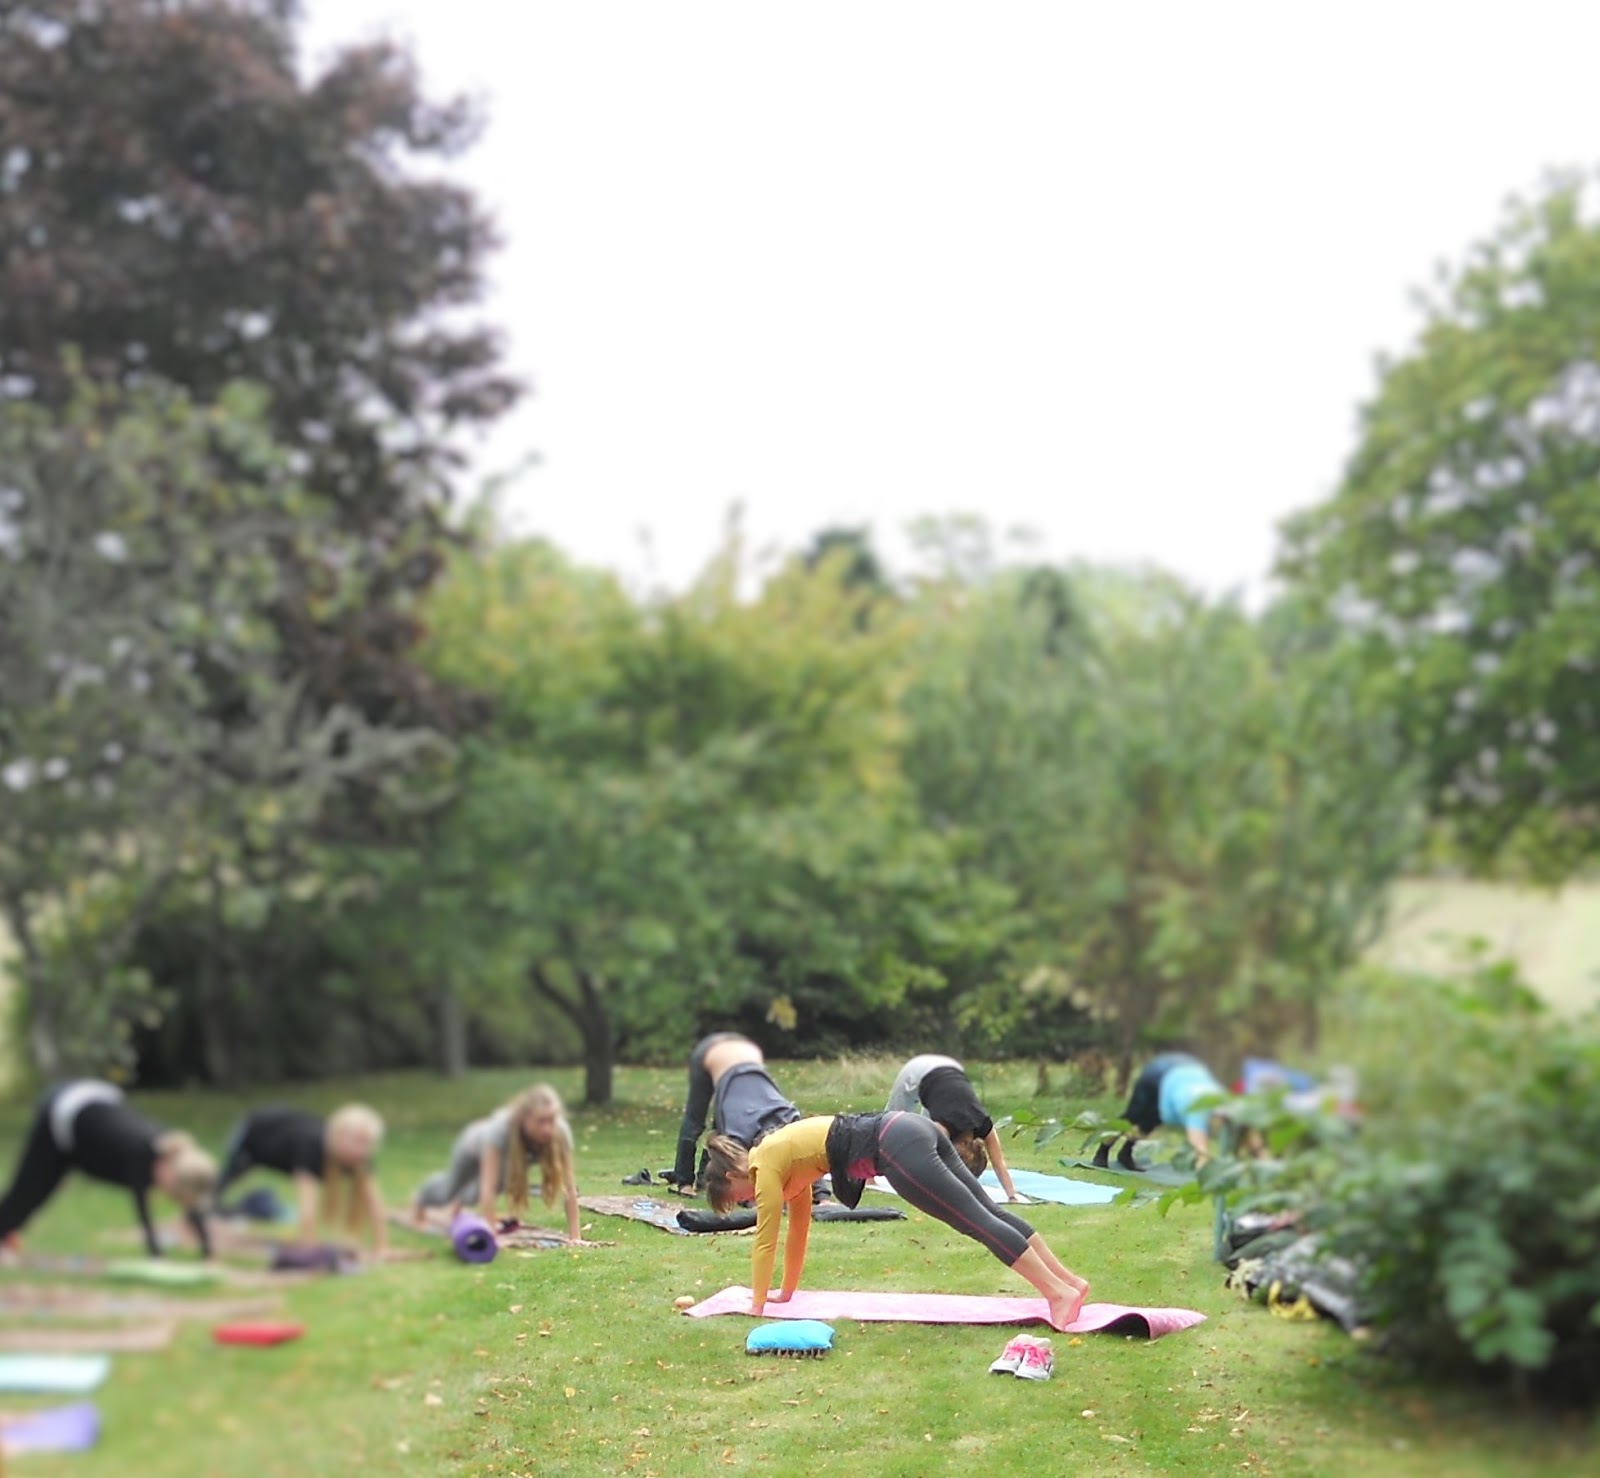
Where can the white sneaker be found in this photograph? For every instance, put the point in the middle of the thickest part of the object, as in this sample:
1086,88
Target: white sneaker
1038,1360
1011,1357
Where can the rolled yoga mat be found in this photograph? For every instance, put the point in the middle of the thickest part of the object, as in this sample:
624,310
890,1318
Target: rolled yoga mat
950,1308
473,1238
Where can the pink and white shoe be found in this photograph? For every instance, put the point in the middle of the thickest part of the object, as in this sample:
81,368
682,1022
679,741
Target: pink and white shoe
1038,1361
1011,1357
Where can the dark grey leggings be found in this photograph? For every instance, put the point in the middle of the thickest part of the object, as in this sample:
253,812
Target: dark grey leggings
919,1161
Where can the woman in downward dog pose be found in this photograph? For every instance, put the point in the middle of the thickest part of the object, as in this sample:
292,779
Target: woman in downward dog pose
326,1158
492,1157
728,1075
940,1088
85,1126
914,1156
1173,1089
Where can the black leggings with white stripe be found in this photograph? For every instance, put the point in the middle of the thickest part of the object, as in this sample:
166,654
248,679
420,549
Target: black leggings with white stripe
918,1160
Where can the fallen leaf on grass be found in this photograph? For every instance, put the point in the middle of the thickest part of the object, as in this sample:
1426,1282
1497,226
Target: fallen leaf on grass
432,1400
570,1392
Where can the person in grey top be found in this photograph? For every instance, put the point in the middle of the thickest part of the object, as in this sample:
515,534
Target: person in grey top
939,1087
494,1156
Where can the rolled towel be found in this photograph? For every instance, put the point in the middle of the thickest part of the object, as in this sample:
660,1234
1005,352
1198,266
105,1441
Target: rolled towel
473,1238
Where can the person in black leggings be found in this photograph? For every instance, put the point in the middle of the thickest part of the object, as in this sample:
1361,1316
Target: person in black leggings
727,1076
85,1126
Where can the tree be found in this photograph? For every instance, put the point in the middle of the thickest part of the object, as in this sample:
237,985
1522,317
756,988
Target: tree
177,200
1464,539
666,792
1199,818
147,728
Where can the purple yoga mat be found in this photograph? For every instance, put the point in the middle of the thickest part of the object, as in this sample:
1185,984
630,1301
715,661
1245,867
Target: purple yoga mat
950,1308
63,1429
473,1238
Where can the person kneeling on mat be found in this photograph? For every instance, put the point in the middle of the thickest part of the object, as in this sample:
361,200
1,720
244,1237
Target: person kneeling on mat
914,1156
940,1088
1166,1092
492,1157
86,1126
326,1158
727,1075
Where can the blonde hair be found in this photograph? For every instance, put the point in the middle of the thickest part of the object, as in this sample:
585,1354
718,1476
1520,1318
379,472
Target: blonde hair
725,1159
193,1171
555,1155
356,1118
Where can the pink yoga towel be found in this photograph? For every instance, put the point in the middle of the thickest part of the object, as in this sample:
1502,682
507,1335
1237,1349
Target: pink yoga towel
950,1308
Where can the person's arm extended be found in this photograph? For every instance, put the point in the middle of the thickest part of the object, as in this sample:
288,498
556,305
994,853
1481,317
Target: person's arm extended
307,1190
202,1233
574,1229
794,1247
488,1181
377,1215
997,1158
141,1200
1201,1143
769,1212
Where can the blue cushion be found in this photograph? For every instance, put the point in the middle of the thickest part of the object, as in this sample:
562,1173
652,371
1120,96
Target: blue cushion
802,1335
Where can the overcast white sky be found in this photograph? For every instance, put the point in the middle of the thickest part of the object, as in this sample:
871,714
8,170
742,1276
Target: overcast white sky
1117,272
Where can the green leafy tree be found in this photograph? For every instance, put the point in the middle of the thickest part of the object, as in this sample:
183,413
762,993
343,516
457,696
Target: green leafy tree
1464,540
146,720
668,792
1198,816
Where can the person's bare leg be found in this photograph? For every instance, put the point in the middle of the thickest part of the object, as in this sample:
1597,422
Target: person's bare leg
1056,1266
1064,1299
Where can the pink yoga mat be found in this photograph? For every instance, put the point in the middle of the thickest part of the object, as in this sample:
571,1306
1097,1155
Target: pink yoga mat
950,1308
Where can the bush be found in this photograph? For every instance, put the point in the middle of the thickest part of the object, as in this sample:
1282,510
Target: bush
1472,1214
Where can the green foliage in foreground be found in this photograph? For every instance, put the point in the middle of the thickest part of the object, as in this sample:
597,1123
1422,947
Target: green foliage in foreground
1467,1205
575,1362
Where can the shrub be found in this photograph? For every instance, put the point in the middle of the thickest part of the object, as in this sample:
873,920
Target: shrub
1470,1201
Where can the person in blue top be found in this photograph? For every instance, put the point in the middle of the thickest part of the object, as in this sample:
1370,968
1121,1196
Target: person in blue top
1174,1089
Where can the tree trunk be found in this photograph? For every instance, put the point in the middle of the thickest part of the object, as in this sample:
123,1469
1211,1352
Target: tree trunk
599,1044
452,1031
593,1021
216,1059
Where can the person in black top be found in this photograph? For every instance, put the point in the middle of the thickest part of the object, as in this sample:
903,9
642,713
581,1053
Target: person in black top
727,1076
86,1126
326,1158
940,1088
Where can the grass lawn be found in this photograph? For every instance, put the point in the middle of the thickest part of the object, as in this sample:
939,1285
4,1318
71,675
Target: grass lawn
575,1362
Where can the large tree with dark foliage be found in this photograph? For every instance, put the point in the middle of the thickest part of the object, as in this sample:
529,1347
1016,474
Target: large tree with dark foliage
179,197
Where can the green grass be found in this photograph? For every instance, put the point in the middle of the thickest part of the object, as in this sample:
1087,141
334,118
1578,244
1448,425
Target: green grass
575,1362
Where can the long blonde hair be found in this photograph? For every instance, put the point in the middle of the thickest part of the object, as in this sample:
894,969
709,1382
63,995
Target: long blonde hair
353,1181
555,1156
725,1159
194,1172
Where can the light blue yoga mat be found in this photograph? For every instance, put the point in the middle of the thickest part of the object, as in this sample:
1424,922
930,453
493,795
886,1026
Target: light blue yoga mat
1056,1188
52,1375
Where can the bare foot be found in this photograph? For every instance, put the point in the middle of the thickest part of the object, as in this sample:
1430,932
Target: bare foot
1065,1308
